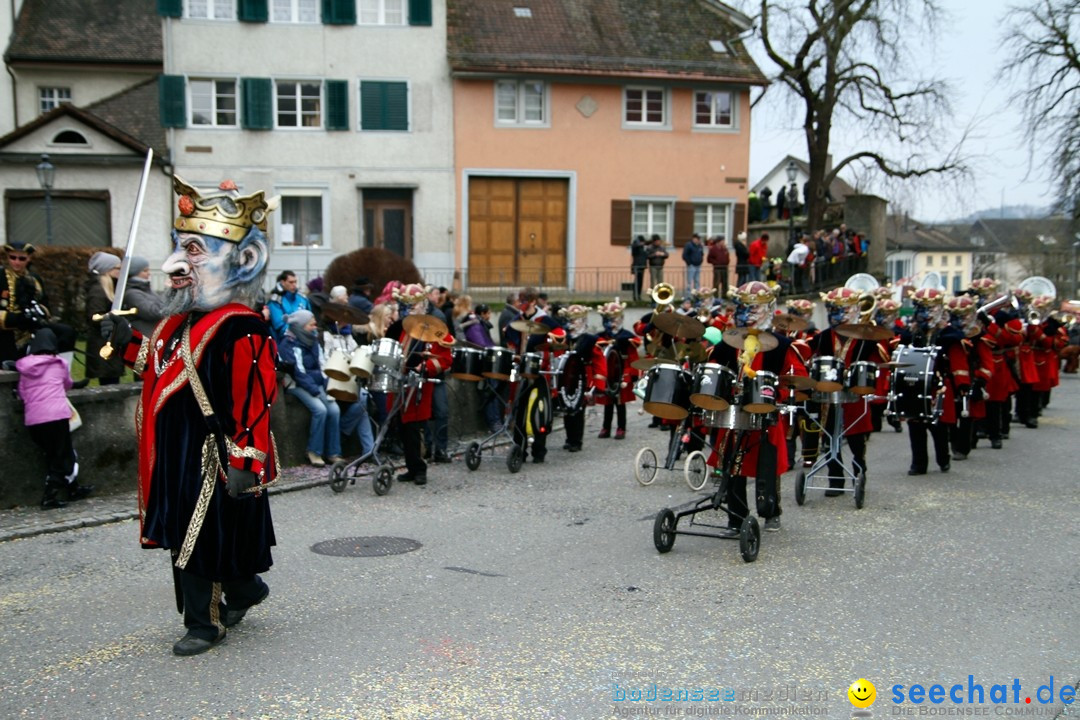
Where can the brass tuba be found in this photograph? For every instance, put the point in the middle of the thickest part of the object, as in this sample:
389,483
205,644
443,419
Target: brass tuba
662,294
1039,287
866,284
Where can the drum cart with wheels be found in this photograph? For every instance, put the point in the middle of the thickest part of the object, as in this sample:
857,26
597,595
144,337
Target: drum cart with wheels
695,468
373,464
666,525
515,456
832,403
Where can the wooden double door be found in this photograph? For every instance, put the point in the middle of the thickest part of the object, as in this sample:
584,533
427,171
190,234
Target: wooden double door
517,231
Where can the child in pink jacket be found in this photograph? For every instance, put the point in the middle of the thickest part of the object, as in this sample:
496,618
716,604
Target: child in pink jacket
44,380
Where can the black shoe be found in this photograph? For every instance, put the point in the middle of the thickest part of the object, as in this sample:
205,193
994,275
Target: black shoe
728,532
441,457
233,617
996,444
420,479
80,384
945,467
75,491
538,459
1033,424
405,477
959,455
52,501
833,493
427,454
915,471
572,448
191,645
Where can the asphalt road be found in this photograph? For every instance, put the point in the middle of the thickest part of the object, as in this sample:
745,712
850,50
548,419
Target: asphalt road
541,595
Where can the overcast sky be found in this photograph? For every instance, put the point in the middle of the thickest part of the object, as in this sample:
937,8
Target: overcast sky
968,55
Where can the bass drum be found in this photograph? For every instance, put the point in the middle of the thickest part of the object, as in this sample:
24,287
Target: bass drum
916,387
569,381
614,360
667,395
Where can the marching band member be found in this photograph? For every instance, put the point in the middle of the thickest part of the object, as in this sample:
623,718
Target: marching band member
842,307
950,366
586,347
621,341
760,454
428,360
885,315
1052,341
1027,373
1000,335
980,362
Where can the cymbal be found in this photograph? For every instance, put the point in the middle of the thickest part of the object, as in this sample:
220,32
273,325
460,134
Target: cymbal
678,325
695,352
425,328
736,338
644,363
342,313
799,382
530,327
863,331
786,322
894,365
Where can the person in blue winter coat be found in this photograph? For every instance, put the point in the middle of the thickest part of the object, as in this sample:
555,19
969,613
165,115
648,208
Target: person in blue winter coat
285,300
44,379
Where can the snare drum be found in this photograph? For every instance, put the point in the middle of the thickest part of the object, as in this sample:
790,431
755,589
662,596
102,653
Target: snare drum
827,372
385,379
468,364
386,352
714,387
361,364
337,366
733,418
344,390
759,392
862,377
498,363
530,365
667,394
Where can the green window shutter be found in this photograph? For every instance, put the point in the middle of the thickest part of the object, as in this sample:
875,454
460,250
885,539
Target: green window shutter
172,101
252,11
257,103
170,8
337,104
339,12
420,12
384,106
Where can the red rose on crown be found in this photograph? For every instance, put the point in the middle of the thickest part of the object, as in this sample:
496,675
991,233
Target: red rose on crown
186,205
227,185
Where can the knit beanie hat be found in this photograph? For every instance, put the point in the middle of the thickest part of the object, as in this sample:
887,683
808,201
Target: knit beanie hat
137,265
44,342
103,262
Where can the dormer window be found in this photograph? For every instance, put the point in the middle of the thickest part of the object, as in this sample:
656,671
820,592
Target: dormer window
523,12
718,47
70,137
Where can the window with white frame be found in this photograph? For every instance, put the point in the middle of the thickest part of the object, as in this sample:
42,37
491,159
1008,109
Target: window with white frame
51,97
714,109
382,12
295,11
213,102
929,261
652,217
644,106
298,103
959,260
300,217
944,261
520,102
711,219
211,9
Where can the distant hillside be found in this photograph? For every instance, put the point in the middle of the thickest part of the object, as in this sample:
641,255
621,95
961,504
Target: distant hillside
1008,212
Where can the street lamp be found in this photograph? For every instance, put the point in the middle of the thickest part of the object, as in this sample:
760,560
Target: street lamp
792,173
46,172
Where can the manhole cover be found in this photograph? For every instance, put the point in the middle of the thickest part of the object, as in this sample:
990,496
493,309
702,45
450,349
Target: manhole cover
365,546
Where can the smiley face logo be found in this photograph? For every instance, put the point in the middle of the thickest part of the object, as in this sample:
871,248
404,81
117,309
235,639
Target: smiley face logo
862,693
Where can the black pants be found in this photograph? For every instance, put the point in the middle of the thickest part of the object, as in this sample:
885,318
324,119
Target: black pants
610,410
920,459
639,277
1027,404
992,423
410,443
961,436
54,439
204,601
720,279
766,488
575,428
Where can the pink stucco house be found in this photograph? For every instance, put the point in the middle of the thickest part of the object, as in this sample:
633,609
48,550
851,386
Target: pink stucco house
579,124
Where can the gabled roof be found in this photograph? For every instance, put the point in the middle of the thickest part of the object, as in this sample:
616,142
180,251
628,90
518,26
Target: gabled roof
903,233
1019,235
86,31
130,117
838,188
620,38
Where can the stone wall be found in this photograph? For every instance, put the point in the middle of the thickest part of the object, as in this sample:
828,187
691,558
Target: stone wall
106,441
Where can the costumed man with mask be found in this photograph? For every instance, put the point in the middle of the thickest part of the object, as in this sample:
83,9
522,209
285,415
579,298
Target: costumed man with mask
24,306
620,351
533,414
427,361
970,403
760,454
1001,333
594,378
1048,347
842,307
950,367
1027,372
206,453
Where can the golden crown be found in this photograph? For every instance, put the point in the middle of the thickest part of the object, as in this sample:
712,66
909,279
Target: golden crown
574,312
754,292
222,213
